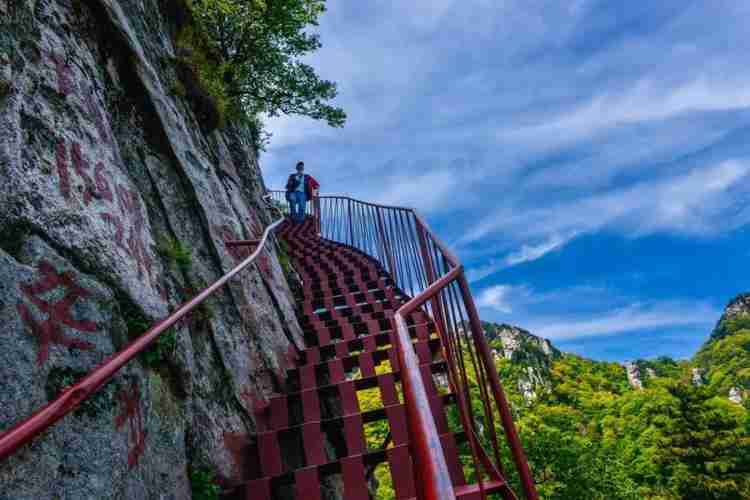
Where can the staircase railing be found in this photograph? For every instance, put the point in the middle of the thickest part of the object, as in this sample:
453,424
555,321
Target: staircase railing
72,396
425,269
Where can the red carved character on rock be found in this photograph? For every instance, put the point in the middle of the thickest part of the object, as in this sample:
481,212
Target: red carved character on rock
95,113
98,187
64,74
81,167
264,264
130,404
119,229
130,206
50,331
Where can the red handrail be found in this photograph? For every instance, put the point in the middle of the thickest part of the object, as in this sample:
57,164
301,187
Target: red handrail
23,432
438,270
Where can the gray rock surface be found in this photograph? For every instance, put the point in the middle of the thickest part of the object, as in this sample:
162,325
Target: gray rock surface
634,375
697,376
105,175
738,306
735,395
513,339
535,354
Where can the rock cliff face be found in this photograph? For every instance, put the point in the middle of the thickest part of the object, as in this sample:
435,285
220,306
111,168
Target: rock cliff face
738,306
722,364
737,309
114,207
533,355
634,375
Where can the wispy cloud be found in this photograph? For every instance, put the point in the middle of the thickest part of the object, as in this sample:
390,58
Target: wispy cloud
646,101
703,201
532,252
527,253
430,191
632,318
499,298
590,311
522,126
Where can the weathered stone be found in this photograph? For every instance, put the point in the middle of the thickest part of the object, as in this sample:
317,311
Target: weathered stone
105,176
735,395
634,375
514,338
535,354
697,376
738,306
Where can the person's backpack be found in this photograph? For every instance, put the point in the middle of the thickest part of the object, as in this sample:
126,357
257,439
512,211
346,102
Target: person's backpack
291,183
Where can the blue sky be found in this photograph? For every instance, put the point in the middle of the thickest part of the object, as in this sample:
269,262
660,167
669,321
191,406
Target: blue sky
588,160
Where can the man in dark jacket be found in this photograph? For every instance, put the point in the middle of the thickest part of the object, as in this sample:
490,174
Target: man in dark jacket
299,189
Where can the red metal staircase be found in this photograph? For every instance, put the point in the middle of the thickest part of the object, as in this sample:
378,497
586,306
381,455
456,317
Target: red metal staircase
348,303
384,307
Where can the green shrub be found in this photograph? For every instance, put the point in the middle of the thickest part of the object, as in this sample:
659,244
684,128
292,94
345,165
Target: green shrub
202,485
176,252
5,88
731,326
283,254
161,349
246,57
199,71
178,89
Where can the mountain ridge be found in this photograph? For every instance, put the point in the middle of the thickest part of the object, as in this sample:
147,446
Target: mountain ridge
536,353
659,429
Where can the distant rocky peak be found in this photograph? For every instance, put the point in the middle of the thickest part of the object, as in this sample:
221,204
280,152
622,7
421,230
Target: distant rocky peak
740,305
737,311
634,375
532,354
517,340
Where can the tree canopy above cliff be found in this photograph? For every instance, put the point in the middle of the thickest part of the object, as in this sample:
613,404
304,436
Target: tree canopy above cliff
255,50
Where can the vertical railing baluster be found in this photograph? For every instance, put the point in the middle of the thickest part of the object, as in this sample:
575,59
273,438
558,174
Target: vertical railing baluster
386,245
514,442
351,228
419,264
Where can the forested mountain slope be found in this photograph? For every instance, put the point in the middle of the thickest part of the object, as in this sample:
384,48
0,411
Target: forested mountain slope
673,429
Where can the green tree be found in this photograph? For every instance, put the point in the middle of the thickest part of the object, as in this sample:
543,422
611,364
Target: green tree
726,357
705,449
260,44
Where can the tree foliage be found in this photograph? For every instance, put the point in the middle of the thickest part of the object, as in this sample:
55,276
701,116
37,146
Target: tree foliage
259,46
590,435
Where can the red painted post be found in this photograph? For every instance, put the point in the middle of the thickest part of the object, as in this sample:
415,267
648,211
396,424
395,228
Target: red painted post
316,211
430,465
386,244
351,227
519,457
430,274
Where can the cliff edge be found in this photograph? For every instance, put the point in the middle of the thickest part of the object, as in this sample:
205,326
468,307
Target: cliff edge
116,197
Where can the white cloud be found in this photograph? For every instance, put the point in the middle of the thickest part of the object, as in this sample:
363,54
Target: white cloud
499,297
533,252
526,253
481,272
645,101
628,319
589,311
426,192
702,202
521,298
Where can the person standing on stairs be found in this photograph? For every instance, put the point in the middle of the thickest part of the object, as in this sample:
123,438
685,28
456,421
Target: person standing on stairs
299,189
